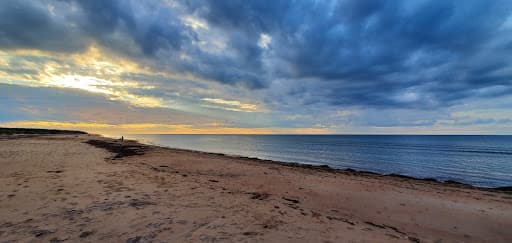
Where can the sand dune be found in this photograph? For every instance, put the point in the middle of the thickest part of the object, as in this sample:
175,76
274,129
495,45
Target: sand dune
87,188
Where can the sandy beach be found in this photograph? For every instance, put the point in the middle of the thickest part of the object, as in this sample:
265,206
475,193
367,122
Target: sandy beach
87,188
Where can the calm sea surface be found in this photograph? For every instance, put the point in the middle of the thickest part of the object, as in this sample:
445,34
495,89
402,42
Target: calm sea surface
477,160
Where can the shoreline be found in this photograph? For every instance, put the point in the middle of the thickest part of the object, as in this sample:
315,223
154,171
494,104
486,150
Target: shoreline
89,188
327,168
30,132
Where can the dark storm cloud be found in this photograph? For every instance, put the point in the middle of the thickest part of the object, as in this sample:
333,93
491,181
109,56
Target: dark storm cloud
372,53
67,25
383,53
29,24
151,27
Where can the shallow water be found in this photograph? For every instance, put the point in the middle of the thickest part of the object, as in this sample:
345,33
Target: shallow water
478,160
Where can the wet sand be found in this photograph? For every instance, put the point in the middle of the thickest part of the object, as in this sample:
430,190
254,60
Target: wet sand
89,188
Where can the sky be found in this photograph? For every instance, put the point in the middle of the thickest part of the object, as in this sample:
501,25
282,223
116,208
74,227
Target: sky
252,67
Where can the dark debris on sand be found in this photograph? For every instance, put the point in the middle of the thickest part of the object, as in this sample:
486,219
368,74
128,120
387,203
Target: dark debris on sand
41,233
136,239
85,234
120,149
139,204
259,196
291,200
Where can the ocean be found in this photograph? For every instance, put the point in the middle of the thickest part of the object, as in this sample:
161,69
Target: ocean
484,161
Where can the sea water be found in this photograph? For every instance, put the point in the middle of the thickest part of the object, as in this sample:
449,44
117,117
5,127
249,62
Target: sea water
477,160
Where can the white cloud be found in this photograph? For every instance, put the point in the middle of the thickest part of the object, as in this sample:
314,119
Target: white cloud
264,40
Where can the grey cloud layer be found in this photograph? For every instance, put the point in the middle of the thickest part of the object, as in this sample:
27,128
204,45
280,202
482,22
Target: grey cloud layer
60,104
369,53
384,53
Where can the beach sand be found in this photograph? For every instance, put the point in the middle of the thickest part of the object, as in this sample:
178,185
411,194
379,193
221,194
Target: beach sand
87,188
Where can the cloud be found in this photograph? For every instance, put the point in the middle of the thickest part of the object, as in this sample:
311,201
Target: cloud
63,104
231,105
372,53
278,59
153,33
36,25
67,26
381,53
